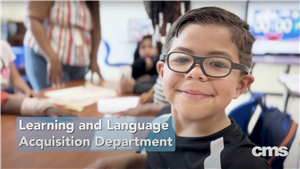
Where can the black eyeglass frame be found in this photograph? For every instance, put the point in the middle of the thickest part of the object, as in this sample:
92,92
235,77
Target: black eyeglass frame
199,60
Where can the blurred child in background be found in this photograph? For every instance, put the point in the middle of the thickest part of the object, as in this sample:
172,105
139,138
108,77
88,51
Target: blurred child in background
144,73
145,58
10,74
21,104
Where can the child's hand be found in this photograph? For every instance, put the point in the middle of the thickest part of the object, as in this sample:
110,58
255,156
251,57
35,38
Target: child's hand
149,64
54,112
126,86
30,93
142,97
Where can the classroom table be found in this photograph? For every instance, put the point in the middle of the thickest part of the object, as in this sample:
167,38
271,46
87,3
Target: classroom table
11,158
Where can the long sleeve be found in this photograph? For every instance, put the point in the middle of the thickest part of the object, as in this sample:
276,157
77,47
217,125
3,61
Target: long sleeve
138,68
144,86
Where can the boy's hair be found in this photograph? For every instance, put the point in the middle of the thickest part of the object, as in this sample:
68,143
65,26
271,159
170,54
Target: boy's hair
158,45
239,29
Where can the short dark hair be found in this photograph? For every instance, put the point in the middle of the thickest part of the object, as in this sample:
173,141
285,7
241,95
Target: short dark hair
239,29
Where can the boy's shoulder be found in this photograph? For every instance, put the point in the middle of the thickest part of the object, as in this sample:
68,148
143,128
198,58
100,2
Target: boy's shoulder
241,156
237,151
229,148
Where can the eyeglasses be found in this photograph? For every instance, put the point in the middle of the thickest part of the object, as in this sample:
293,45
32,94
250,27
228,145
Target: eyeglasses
212,66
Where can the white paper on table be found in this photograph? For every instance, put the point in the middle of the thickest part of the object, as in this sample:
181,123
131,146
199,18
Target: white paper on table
294,87
114,105
291,81
82,95
126,71
289,78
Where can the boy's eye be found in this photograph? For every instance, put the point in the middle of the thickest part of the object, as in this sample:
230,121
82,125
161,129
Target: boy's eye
181,60
219,64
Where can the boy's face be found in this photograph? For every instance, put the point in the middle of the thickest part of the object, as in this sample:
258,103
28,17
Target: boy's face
192,94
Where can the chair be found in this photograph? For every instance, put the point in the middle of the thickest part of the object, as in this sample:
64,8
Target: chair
19,62
265,126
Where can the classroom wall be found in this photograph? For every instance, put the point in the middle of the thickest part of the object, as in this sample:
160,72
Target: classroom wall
13,10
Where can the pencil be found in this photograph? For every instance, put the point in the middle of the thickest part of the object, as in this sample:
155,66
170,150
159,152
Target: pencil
150,92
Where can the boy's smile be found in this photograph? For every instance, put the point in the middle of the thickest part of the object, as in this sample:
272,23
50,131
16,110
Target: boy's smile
193,94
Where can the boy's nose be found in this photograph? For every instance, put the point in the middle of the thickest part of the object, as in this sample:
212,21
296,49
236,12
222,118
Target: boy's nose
196,73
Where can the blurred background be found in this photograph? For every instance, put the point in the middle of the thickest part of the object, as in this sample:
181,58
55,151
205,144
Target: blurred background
275,25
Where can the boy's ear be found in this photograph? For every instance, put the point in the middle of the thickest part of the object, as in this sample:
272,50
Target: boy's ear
160,68
243,84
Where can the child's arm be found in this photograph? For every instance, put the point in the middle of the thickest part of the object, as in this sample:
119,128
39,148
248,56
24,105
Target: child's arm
121,161
19,83
143,96
30,107
149,64
138,67
9,105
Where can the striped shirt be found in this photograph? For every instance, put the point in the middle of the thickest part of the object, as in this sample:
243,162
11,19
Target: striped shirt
159,97
68,28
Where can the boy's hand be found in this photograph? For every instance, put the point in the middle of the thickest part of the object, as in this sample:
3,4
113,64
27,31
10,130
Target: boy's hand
54,112
30,93
126,86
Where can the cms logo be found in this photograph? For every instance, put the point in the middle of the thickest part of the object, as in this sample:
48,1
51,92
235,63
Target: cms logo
270,151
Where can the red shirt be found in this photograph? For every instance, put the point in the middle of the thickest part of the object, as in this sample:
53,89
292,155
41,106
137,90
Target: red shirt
4,96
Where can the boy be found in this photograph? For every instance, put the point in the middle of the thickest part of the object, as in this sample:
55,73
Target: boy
208,55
